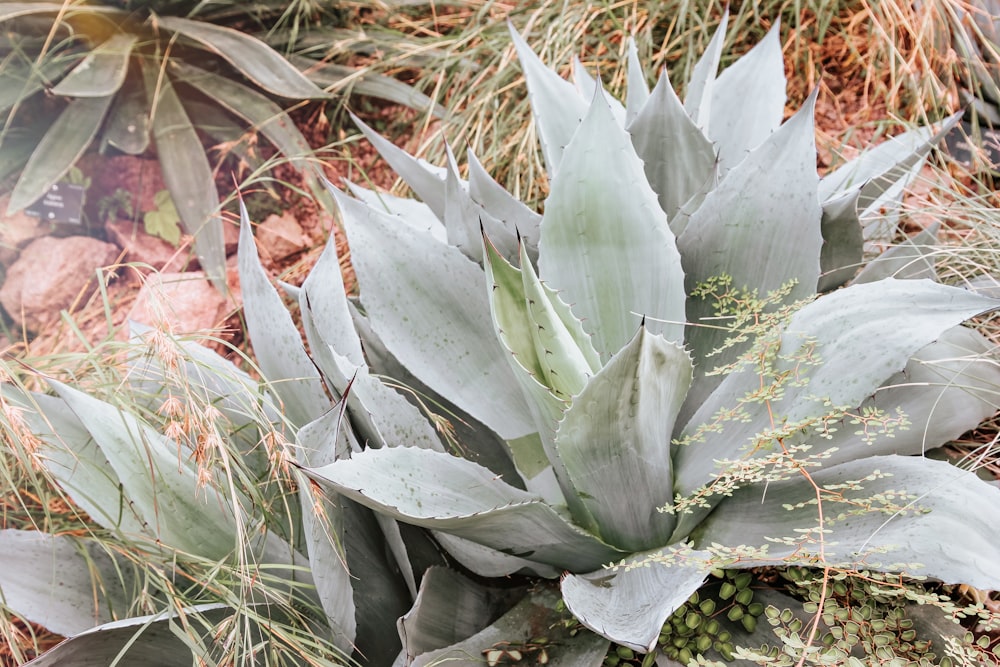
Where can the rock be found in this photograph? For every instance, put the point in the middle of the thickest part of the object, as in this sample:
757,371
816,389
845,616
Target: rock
146,250
281,236
231,236
180,303
16,231
50,274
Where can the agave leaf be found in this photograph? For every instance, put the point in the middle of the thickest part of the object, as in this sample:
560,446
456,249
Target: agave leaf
495,200
946,389
168,639
433,623
487,562
59,149
755,84
605,240
912,259
615,441
746,219
586,86
258,61
677,157
698,98
166,495
409,211
883,513
64,585
556,105
22,77
264,116
518,629
843,241
637,93
187,174
276,340
426,181
895,318
439,491
74,460
127,128
102,72
630,603
426,312
11,10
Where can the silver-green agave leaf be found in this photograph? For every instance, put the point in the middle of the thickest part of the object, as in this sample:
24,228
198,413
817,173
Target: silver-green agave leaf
645,432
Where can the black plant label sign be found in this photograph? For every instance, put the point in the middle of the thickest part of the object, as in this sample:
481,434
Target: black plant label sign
63,203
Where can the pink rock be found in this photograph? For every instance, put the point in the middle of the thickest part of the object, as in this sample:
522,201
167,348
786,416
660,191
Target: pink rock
50,274
180,303
147,250
280,236
17,230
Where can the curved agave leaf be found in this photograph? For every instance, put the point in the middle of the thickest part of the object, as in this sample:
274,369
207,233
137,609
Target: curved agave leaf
324,297
629,603
187,173
755,84
59,149
911,259
894,318
698,98
884,513
843,241
258,61
411,212
488,562
276,340
495,200
21,77
615,441
556,105
64,585
432,623
605,241
747,218
449,494
102,72
637,93
586,86
518,630
427,312
168,639
677,157
127,128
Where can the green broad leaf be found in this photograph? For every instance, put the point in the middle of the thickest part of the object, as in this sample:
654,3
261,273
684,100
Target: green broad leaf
754,84
699,91
912,259
518,630
677,157
883,513
895,318
615,441
487,562
638,91
264,116
167,639
408,211
843,241
745,220
76,462
63,584
164,221
187,174
429,305
59,149
433,623
445,493
127,128
556,105
500,204
946,389
629,603
176,508
605,242
255,59
276,341
102,72
425,180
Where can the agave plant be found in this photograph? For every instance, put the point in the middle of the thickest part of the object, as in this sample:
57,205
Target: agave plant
644,433
132,78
